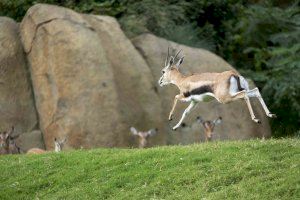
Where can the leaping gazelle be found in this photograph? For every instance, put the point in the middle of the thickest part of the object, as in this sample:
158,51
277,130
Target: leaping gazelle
226,86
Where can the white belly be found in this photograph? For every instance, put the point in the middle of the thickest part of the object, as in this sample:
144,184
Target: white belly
200,98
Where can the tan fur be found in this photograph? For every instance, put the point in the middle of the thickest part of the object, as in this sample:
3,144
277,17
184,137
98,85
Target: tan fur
36,151
143,136
219,82
209,126
41,151
207,85
208,130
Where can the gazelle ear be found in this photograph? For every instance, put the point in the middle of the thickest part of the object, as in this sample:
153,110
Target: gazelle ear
133,131
152,131
217,121
180,61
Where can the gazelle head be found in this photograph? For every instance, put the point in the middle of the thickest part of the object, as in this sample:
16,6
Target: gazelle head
169,69
143,136
59,144
209,126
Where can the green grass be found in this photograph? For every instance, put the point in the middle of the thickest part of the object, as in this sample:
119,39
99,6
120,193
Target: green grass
219,170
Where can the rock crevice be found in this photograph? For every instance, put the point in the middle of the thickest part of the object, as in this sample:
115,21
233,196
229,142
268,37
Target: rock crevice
17,104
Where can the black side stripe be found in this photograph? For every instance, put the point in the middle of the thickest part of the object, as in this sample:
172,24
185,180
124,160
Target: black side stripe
200,90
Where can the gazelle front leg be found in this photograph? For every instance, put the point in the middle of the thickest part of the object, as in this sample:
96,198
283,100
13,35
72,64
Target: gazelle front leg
186,111
177,97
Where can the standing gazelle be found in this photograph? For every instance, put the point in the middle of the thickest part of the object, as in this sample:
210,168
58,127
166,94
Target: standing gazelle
143,136
4,142
226,86
8,142
209,126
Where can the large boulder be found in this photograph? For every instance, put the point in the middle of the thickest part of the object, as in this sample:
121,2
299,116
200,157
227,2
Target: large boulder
16,102
237,123
139,103
90,84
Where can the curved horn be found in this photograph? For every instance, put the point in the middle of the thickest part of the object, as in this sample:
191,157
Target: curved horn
177,54
167,58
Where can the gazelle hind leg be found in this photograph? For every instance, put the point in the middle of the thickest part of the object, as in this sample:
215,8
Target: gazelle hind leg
251,109
255,93
184,114
243,94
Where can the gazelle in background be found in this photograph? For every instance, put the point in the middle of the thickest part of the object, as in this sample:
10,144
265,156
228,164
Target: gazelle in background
4,145
8,144
58,146
209,126
12,145
143,136
225,87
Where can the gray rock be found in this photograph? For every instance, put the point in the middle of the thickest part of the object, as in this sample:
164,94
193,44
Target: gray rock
32,139
16,102
90,83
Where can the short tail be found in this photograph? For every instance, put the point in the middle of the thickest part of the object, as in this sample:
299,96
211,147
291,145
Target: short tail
238,82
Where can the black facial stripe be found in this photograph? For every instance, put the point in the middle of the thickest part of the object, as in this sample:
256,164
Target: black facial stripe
200,90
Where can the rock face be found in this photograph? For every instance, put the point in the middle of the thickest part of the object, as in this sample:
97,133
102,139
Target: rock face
87,78
237,123
16,102
138,102
30,140
91,84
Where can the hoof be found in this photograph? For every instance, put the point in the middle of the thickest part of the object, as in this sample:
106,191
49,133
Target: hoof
183,125
174,128
257,120
271,115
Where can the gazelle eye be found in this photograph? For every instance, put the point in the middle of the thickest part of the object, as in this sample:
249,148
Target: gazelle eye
162,72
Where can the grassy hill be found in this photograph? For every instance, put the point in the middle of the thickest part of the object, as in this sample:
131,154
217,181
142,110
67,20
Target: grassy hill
219,170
